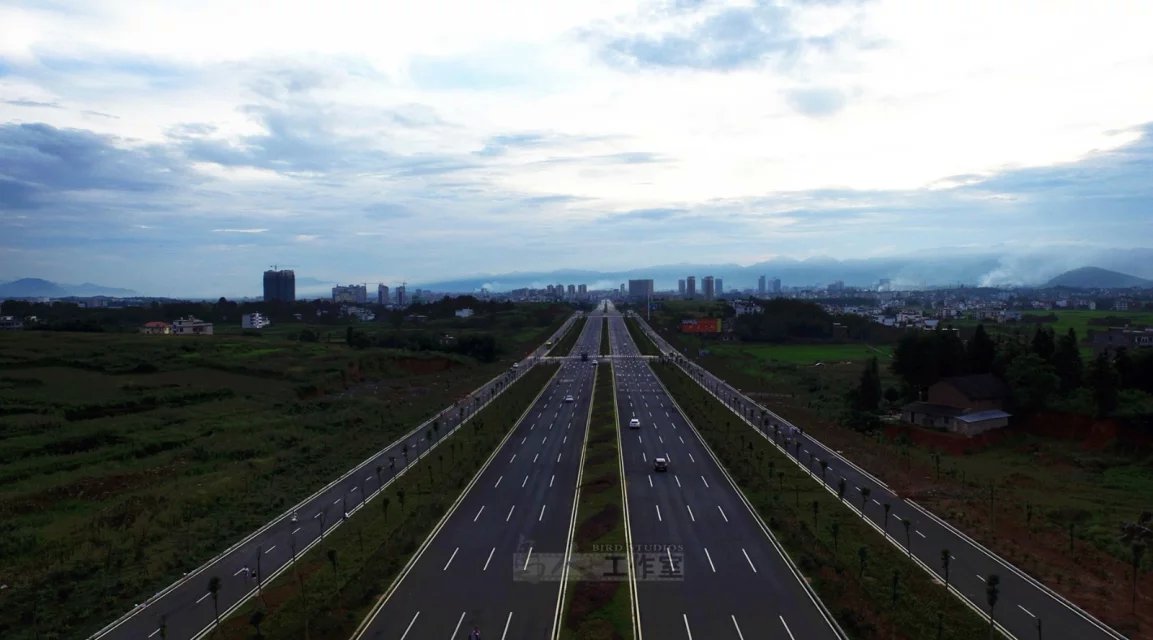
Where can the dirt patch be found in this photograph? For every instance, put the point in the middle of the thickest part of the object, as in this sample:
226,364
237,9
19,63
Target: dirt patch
598,525
588,597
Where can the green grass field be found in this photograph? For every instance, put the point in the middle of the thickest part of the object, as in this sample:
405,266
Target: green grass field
805,354
126,459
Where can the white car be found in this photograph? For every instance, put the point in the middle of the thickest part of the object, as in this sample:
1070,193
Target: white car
568,398
634,423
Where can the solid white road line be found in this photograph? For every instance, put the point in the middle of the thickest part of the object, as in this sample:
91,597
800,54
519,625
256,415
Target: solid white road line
705,481
460,620
506,623
685,616
270,549
478,513
711,566
691,513
542,507
1026,611
526,559
510,510
450,559
489,559
748,559
659,519
409,627
791,636
722,513
498,482
739,634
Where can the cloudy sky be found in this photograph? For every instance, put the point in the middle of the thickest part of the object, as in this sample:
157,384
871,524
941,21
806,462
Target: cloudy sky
183,146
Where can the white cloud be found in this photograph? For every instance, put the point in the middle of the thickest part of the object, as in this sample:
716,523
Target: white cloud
391,102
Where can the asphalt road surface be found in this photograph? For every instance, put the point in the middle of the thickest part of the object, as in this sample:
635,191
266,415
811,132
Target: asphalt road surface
495,564
1024,603
186,605
705,567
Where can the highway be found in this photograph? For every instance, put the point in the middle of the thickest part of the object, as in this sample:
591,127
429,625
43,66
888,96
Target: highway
185,608
706,566
1025,606
496,562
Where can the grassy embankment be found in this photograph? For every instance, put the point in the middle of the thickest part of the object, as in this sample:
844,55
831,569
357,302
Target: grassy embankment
126,460
330,590
646,346
823,536
565,345
600,610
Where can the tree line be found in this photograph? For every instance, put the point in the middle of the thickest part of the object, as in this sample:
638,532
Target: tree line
1044,372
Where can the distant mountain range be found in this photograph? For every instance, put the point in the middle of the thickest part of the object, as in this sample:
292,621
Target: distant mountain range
916,271
1097,278
37,288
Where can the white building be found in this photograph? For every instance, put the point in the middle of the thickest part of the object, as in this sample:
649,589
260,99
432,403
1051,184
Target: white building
464,313
254,321
191,326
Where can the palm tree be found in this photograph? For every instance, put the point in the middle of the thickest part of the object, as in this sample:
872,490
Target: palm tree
908,532
400,497
865,492
331,553
945,557
164,627
379,482
214,589
824,471
255,620
841,489
992,592
888,507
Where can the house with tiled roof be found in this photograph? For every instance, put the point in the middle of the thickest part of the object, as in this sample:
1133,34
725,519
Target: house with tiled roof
968,405
156,328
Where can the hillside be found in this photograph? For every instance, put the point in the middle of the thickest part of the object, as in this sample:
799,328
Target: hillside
1097,278
38,288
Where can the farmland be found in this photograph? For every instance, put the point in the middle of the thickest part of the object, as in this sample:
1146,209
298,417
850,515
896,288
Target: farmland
126,460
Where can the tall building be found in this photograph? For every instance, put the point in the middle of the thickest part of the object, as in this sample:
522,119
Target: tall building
582,290
353,294
622,288
640,289
572,291
708,288
280,286
681,287
382,294
761,285
719,284
776,285
691,286
401,299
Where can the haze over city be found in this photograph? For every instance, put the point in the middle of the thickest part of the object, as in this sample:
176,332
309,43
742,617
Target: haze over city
185,147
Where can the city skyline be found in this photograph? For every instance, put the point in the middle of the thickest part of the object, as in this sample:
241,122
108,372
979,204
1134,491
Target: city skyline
591,135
